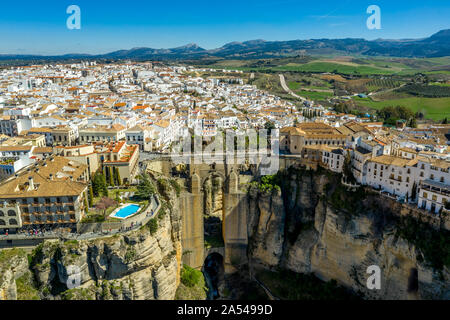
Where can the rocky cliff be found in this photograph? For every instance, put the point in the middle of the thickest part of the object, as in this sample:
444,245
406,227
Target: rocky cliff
315,225
138,265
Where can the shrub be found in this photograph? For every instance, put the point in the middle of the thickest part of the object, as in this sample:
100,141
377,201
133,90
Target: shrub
190,277
153,226
176,186
145,187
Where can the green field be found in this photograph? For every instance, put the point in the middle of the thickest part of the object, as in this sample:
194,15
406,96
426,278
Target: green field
314,95
335,68
432,108
360,65
360,74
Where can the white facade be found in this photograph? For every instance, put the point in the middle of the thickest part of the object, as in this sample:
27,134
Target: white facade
433,195
334,159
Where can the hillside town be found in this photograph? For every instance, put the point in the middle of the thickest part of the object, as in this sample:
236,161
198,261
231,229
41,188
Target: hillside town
61,124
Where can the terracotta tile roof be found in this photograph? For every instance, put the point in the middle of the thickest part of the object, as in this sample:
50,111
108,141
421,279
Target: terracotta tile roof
60,185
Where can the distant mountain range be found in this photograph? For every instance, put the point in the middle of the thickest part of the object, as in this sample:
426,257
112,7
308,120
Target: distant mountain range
438,45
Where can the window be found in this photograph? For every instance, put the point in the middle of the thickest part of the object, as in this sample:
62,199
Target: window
11,213
434,197
442,179
425,195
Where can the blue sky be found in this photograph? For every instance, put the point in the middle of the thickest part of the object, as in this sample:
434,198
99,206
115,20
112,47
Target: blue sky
39,27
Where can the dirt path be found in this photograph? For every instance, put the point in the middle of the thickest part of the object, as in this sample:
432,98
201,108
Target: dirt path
286,88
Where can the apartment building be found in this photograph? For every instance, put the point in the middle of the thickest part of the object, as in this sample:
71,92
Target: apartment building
47,194
433,195
114,132
13,159
46,132
11,126
392,174
119,155
312,134
81,153
141,136
63,136
333,159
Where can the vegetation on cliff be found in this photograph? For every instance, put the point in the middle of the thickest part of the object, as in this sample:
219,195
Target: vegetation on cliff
268,183
433,244
288,285
192,285
26,287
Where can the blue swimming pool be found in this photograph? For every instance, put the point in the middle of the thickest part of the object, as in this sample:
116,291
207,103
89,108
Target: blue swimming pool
126,211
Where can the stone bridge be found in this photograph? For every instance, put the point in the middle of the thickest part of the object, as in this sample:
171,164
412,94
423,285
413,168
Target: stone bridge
232,207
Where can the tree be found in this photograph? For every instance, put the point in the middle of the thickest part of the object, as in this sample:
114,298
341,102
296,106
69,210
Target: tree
91,196
269,126
145,187
86,208
104,204
117,178
110,176
445,121
99,184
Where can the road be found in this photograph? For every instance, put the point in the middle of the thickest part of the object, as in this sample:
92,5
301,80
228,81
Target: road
286,88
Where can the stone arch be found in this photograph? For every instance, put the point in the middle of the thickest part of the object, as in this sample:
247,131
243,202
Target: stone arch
2,214
13,222
213,208
212,174
213,187
2,222
11,213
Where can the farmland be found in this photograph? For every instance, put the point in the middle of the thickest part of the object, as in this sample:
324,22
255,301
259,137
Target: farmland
432,108
422,85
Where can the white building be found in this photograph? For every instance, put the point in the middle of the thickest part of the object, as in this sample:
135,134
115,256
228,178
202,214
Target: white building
392,174
433,196
334,159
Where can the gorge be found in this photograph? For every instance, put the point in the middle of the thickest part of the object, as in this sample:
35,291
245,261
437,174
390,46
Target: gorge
249,230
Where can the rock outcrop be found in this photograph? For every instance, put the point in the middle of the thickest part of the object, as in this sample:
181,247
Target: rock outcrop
138,265
13,265
306,233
